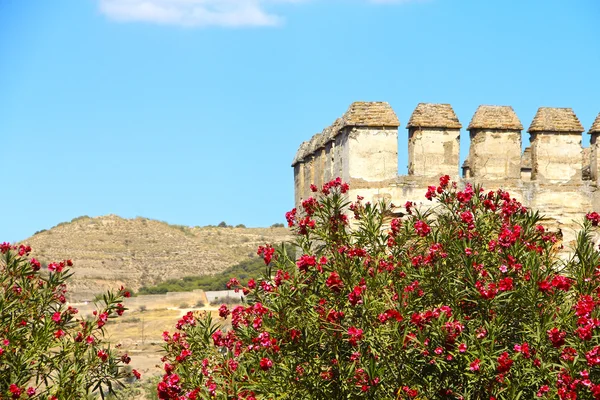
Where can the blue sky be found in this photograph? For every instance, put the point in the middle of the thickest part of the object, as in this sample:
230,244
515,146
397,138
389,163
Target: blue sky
190,111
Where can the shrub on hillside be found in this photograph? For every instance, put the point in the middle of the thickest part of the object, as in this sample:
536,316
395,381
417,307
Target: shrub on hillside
47,352
467,299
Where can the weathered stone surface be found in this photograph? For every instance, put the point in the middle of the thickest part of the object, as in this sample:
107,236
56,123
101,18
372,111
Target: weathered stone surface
485,159
433,151
556,156
372,153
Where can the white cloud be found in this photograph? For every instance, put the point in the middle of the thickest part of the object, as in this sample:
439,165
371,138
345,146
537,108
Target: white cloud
228,13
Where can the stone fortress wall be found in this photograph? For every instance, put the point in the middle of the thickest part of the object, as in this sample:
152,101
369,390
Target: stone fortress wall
555,175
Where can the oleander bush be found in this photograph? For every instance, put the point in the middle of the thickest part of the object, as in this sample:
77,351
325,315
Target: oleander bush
46,351
468,298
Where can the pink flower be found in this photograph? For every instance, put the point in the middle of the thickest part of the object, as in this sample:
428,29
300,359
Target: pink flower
422,228
56,317
474,366
355,335
543,390
102,318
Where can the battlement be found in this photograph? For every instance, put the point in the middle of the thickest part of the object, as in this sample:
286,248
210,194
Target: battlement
555,174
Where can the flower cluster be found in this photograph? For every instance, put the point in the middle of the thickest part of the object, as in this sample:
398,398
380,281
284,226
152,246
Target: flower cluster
43,344
465,300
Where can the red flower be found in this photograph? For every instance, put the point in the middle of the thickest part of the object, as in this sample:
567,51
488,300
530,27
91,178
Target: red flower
15,391
556,337
306,261
266,252
251,284
355,335
35,264
594,217
422,228
504,363
223,311
102,318
505,284
136,374
334,282
103,355
58,267
355,296
474,366
266,364
4,247
56,317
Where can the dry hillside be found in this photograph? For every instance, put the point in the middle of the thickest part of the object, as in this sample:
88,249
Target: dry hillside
110,251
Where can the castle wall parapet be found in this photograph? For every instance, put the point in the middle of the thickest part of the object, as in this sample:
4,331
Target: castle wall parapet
554,175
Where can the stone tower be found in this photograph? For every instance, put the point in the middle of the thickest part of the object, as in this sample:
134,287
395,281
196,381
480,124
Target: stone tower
433,141
556,152
495,151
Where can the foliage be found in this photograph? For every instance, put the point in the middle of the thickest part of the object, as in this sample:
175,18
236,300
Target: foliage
47,352
468,299
244,270
139,389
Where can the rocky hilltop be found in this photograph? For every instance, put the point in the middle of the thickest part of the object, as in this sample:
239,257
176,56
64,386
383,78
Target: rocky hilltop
110,251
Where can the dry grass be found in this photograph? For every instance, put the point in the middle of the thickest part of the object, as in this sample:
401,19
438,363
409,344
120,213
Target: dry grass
139,333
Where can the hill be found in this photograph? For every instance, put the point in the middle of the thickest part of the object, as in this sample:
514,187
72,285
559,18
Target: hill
110,251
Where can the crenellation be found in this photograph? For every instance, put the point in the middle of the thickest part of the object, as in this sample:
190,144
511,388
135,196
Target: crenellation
556,152
433,141
595,150
493,128
554,175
